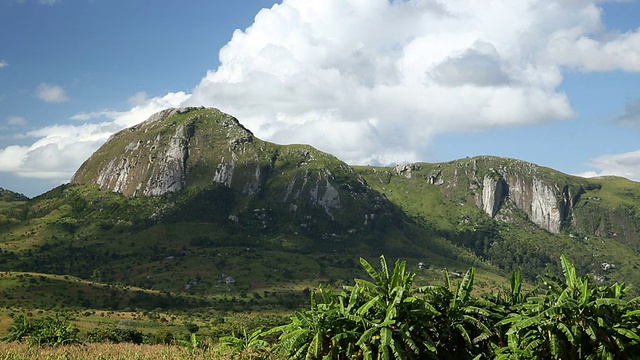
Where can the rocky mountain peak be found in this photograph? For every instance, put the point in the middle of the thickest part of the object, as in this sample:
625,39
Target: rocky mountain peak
165,152
199,147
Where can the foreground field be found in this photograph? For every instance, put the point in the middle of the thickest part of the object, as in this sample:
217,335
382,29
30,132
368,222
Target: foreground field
20,351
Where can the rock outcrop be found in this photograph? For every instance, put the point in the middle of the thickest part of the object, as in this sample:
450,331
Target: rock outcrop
173,149
498,183
541,201
494,192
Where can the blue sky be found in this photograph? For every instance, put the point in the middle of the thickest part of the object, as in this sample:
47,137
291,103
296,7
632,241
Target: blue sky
556,83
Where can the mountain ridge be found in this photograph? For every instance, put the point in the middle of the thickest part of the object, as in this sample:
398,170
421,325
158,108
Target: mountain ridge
505,189
191,195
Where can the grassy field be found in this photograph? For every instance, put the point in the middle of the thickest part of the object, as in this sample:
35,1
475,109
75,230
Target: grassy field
19,351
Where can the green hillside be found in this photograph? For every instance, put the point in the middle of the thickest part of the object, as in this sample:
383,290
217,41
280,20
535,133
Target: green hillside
601,225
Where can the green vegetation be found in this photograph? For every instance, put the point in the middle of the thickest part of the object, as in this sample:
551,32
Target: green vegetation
599,217
86,248
388,317
10,196
52,331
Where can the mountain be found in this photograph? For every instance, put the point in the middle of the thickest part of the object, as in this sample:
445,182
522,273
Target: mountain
190,209
196,150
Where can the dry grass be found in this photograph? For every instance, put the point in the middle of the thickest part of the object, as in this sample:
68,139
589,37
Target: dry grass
20,351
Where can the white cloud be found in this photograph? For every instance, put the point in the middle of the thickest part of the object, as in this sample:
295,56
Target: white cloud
397,73
59,150
626,165
51,93
3,64
374,81
16,121
138,98
48,2
104,114
589,54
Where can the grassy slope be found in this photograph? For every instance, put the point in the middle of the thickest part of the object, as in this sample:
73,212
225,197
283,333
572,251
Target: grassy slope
97,236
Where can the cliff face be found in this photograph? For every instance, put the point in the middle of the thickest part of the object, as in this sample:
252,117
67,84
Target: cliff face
546,204
134,173
494,184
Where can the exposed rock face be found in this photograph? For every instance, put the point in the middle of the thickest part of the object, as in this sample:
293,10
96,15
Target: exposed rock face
154,157
125,174
318,191
543,202
149,165
539,200
493,193
515,192
405,170
522,186
547,203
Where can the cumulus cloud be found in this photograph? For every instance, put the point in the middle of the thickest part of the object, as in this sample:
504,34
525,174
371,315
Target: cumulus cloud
58,150
3,64
394,74
586,53
626,165
51,93
374,81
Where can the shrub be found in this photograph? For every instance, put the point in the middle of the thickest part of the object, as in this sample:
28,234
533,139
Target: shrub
56,330
115,335
163,336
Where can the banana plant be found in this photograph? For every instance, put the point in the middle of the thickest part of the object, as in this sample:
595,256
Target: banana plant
391,314
463,324
573,319
317,333
247,342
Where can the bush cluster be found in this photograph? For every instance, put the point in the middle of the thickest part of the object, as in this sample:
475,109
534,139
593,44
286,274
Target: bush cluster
387,317
56,330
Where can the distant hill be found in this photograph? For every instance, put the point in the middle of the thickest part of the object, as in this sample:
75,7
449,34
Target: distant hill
8,195
191,206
